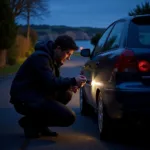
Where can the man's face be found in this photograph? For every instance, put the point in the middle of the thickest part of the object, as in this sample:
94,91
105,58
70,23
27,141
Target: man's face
62,56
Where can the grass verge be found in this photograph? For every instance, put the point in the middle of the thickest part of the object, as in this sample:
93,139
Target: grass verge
9,69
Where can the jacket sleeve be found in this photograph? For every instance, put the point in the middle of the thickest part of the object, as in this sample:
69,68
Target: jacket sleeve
41,66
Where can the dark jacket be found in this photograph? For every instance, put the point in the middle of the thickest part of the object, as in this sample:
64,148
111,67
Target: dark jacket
38,77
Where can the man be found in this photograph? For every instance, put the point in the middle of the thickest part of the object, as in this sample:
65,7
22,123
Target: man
40,94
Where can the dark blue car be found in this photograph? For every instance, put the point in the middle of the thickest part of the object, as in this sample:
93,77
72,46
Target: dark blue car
118,73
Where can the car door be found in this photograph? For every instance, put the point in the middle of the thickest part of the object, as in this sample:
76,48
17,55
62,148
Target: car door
90,65
104,62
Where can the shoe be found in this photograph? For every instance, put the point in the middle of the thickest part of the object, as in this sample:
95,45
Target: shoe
48,132
29,130
31,133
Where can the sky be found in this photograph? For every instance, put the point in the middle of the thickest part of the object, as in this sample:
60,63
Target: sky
89,13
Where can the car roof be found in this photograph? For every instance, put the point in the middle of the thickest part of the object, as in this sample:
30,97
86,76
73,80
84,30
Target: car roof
129,18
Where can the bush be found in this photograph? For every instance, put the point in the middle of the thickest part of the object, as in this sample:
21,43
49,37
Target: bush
12,55
19,51
27,54
23,46
11,61
21,60
33,34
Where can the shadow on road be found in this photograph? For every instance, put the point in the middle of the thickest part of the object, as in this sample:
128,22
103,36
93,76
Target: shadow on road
85,125
136,136
11,141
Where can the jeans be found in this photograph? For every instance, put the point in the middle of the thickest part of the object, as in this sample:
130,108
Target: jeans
50,113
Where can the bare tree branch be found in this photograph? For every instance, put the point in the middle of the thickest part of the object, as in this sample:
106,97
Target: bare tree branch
36,7
17,6
28,9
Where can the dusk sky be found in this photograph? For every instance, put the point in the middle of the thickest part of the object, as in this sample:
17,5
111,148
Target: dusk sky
92,13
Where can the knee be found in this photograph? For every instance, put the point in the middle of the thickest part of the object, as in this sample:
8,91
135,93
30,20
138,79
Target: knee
65,96
68,97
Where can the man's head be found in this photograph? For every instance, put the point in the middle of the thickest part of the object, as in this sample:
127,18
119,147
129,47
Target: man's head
64,46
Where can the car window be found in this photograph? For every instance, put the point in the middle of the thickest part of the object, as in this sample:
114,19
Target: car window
139,33
102,41
144,37
114,38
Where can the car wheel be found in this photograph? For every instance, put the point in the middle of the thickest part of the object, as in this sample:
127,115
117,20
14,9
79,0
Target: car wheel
85,108
103,120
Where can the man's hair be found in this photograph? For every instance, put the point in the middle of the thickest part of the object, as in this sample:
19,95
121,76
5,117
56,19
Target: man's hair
65,42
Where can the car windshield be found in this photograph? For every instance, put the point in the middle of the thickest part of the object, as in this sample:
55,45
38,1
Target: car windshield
139,33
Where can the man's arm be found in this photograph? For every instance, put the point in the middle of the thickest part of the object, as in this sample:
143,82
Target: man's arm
41,66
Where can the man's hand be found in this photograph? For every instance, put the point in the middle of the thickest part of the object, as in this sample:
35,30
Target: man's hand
81,80
74,89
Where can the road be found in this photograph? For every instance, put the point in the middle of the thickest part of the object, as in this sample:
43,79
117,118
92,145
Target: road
83,134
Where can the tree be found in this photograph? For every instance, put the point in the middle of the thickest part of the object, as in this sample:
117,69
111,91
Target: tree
37,7
8,28
95,39
28,9
142,9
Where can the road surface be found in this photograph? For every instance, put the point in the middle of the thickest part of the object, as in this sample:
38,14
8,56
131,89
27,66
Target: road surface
82,135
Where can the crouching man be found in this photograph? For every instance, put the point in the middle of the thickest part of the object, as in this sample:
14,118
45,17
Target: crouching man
40,94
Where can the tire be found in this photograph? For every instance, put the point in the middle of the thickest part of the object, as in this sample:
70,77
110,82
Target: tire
85,108
103,120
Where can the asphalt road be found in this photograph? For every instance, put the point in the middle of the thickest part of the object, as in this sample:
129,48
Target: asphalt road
82,135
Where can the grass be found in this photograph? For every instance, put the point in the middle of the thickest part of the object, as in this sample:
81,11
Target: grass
9,69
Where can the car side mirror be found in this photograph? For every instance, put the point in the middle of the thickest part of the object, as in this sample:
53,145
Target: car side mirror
85,52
